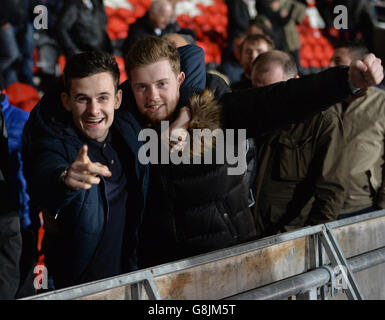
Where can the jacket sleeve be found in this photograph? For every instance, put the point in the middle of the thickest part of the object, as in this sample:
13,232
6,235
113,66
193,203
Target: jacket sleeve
44,159
12,11
193,65
46,164
330,172
65,22
262,110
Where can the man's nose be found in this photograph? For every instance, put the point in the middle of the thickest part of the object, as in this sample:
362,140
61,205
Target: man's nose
254,55
93,107
153,93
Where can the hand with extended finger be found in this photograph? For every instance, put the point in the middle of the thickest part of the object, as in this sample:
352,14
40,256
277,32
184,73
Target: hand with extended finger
83,173
366,72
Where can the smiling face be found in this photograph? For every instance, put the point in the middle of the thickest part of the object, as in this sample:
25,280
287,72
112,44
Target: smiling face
156,90
92,101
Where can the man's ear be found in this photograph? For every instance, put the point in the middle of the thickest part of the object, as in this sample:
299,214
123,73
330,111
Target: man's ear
65,100
118,99
181,78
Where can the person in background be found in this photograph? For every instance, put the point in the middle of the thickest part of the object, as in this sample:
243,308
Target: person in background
48,46
363,118
296,182
156,22
230,66
238,17
82,27
293,43
261,25
10,237
16,42
251,48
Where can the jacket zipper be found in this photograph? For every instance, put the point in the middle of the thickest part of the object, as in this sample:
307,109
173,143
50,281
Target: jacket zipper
228,221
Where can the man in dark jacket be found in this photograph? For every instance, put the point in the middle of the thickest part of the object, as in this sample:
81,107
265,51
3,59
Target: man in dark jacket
201,207
82,27
10,237
82,169
296,182
156,22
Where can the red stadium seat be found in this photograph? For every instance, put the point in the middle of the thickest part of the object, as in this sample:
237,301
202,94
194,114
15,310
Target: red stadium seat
22,96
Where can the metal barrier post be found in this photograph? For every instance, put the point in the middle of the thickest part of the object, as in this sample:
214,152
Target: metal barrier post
337,257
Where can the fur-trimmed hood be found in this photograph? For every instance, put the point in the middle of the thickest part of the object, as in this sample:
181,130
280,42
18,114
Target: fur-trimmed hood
206,113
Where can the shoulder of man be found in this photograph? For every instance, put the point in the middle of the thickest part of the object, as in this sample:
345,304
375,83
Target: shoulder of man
217,84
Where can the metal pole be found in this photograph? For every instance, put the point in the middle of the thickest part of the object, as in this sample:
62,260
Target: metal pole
367,260
306,281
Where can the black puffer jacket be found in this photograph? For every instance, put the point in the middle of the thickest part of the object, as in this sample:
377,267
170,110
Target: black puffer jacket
195,208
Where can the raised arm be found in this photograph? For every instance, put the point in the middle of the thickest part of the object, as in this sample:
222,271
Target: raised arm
265,109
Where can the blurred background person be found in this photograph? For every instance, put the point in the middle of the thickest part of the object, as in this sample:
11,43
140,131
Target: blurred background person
251,48
16,41
363,118
82,27
159,20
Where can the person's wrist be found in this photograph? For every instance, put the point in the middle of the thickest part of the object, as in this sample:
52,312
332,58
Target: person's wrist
354,90
62,178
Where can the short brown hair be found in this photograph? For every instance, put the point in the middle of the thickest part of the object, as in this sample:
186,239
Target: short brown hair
257,38
150,50
285,60
87,64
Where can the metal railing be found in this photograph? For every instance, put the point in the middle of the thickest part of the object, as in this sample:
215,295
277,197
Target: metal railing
309,263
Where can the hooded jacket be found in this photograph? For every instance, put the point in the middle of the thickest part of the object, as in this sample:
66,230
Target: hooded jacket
75,220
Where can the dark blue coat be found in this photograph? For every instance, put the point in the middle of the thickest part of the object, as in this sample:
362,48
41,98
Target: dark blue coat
15,120
75,220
